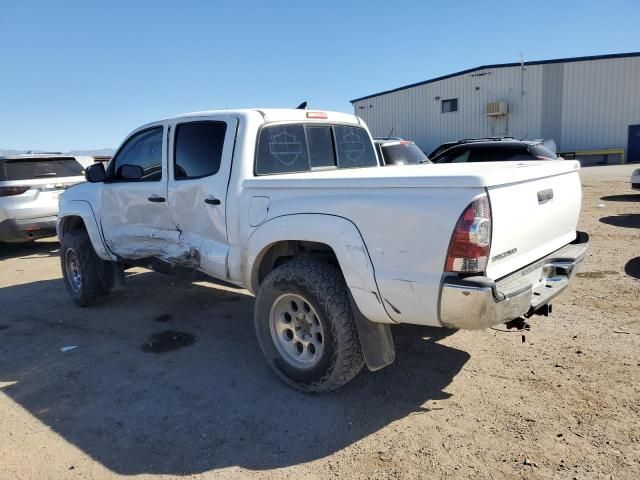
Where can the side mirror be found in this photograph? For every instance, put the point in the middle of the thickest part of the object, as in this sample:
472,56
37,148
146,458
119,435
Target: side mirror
130,172
95,173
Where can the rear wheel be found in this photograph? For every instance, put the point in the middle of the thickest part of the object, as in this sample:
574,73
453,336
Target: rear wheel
80,266
305,326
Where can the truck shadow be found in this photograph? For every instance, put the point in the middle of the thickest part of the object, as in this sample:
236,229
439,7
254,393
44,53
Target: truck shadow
209,405
42,248
627,197
632,268
628,220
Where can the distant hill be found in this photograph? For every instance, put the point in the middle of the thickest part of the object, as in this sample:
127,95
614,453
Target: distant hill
99,152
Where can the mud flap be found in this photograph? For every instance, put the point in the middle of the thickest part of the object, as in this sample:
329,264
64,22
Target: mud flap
111,275
375,339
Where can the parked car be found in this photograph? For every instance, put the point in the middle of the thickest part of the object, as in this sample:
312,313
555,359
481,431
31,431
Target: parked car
294,206
491,150
635,179
399,152
29,189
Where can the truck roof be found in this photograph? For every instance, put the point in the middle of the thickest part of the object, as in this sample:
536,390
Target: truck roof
276,114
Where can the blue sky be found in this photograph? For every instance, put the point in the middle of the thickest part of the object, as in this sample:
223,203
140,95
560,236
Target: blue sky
82,74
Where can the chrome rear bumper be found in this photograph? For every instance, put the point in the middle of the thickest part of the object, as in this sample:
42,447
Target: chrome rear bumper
474,303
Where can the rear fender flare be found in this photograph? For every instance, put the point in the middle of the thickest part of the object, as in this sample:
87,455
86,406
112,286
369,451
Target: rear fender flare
340,234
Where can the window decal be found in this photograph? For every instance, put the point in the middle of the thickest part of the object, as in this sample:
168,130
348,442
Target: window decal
285,147
352,146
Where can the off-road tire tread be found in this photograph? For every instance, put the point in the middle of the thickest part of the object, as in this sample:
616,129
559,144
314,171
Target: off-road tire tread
326,283
92,289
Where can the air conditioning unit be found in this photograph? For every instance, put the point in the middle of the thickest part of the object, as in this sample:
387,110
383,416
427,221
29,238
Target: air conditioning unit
496,109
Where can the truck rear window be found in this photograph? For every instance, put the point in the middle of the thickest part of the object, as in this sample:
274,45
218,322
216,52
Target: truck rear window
302,148
31,168
540,151
403,153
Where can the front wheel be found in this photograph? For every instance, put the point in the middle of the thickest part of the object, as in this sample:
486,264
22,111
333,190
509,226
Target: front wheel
305,326
80,268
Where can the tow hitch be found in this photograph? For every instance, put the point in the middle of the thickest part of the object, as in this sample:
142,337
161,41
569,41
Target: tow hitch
544,310
520,325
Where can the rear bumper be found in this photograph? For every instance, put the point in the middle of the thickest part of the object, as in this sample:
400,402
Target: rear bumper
474,303
13,230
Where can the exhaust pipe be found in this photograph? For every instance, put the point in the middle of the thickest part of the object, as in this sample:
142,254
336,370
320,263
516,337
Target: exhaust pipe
31,235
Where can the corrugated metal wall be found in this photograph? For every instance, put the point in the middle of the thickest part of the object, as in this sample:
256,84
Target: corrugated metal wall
599,99
415,113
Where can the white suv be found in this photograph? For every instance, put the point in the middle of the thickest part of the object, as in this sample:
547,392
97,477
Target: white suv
29,189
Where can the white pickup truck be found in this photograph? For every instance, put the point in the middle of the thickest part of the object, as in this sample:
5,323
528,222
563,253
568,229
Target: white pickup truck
294,206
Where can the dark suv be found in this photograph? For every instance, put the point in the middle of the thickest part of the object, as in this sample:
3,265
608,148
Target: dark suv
491,150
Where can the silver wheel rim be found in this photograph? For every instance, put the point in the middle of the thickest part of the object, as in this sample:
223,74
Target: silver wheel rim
296,331
74,275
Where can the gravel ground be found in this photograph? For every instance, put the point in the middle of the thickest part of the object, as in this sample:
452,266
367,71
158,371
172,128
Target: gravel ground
563,404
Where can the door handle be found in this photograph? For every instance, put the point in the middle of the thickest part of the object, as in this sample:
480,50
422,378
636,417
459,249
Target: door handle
212,201
156,198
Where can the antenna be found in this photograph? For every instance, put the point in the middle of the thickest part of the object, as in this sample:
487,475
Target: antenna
302,106
390,133
521,75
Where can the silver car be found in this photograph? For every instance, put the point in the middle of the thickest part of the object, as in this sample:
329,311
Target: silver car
29,189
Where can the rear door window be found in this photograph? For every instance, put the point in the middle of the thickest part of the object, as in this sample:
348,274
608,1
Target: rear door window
32,168
354,147
198,149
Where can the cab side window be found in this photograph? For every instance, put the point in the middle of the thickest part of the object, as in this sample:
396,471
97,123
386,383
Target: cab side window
461,156
143,152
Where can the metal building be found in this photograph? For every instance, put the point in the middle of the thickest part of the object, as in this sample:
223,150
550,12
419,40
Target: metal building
588,105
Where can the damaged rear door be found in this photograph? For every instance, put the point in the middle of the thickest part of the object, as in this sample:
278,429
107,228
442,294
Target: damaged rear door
135,219
201,150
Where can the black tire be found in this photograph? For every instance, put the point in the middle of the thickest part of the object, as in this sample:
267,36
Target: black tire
324,288
90,290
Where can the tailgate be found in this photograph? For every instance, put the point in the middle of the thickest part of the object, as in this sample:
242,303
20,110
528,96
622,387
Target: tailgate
532,219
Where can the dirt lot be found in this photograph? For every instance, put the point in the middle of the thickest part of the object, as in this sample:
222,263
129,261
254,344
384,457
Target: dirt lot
564,404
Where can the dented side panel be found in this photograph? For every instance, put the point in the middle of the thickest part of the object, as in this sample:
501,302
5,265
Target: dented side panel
198,206
135,227
135,219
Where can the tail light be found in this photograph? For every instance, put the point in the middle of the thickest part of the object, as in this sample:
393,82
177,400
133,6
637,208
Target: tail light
471,239
11,191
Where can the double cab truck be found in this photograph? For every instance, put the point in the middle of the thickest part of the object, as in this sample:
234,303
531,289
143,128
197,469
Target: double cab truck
295,206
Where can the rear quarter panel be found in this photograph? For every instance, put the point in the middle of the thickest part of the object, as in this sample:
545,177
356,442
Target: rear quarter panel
406,232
